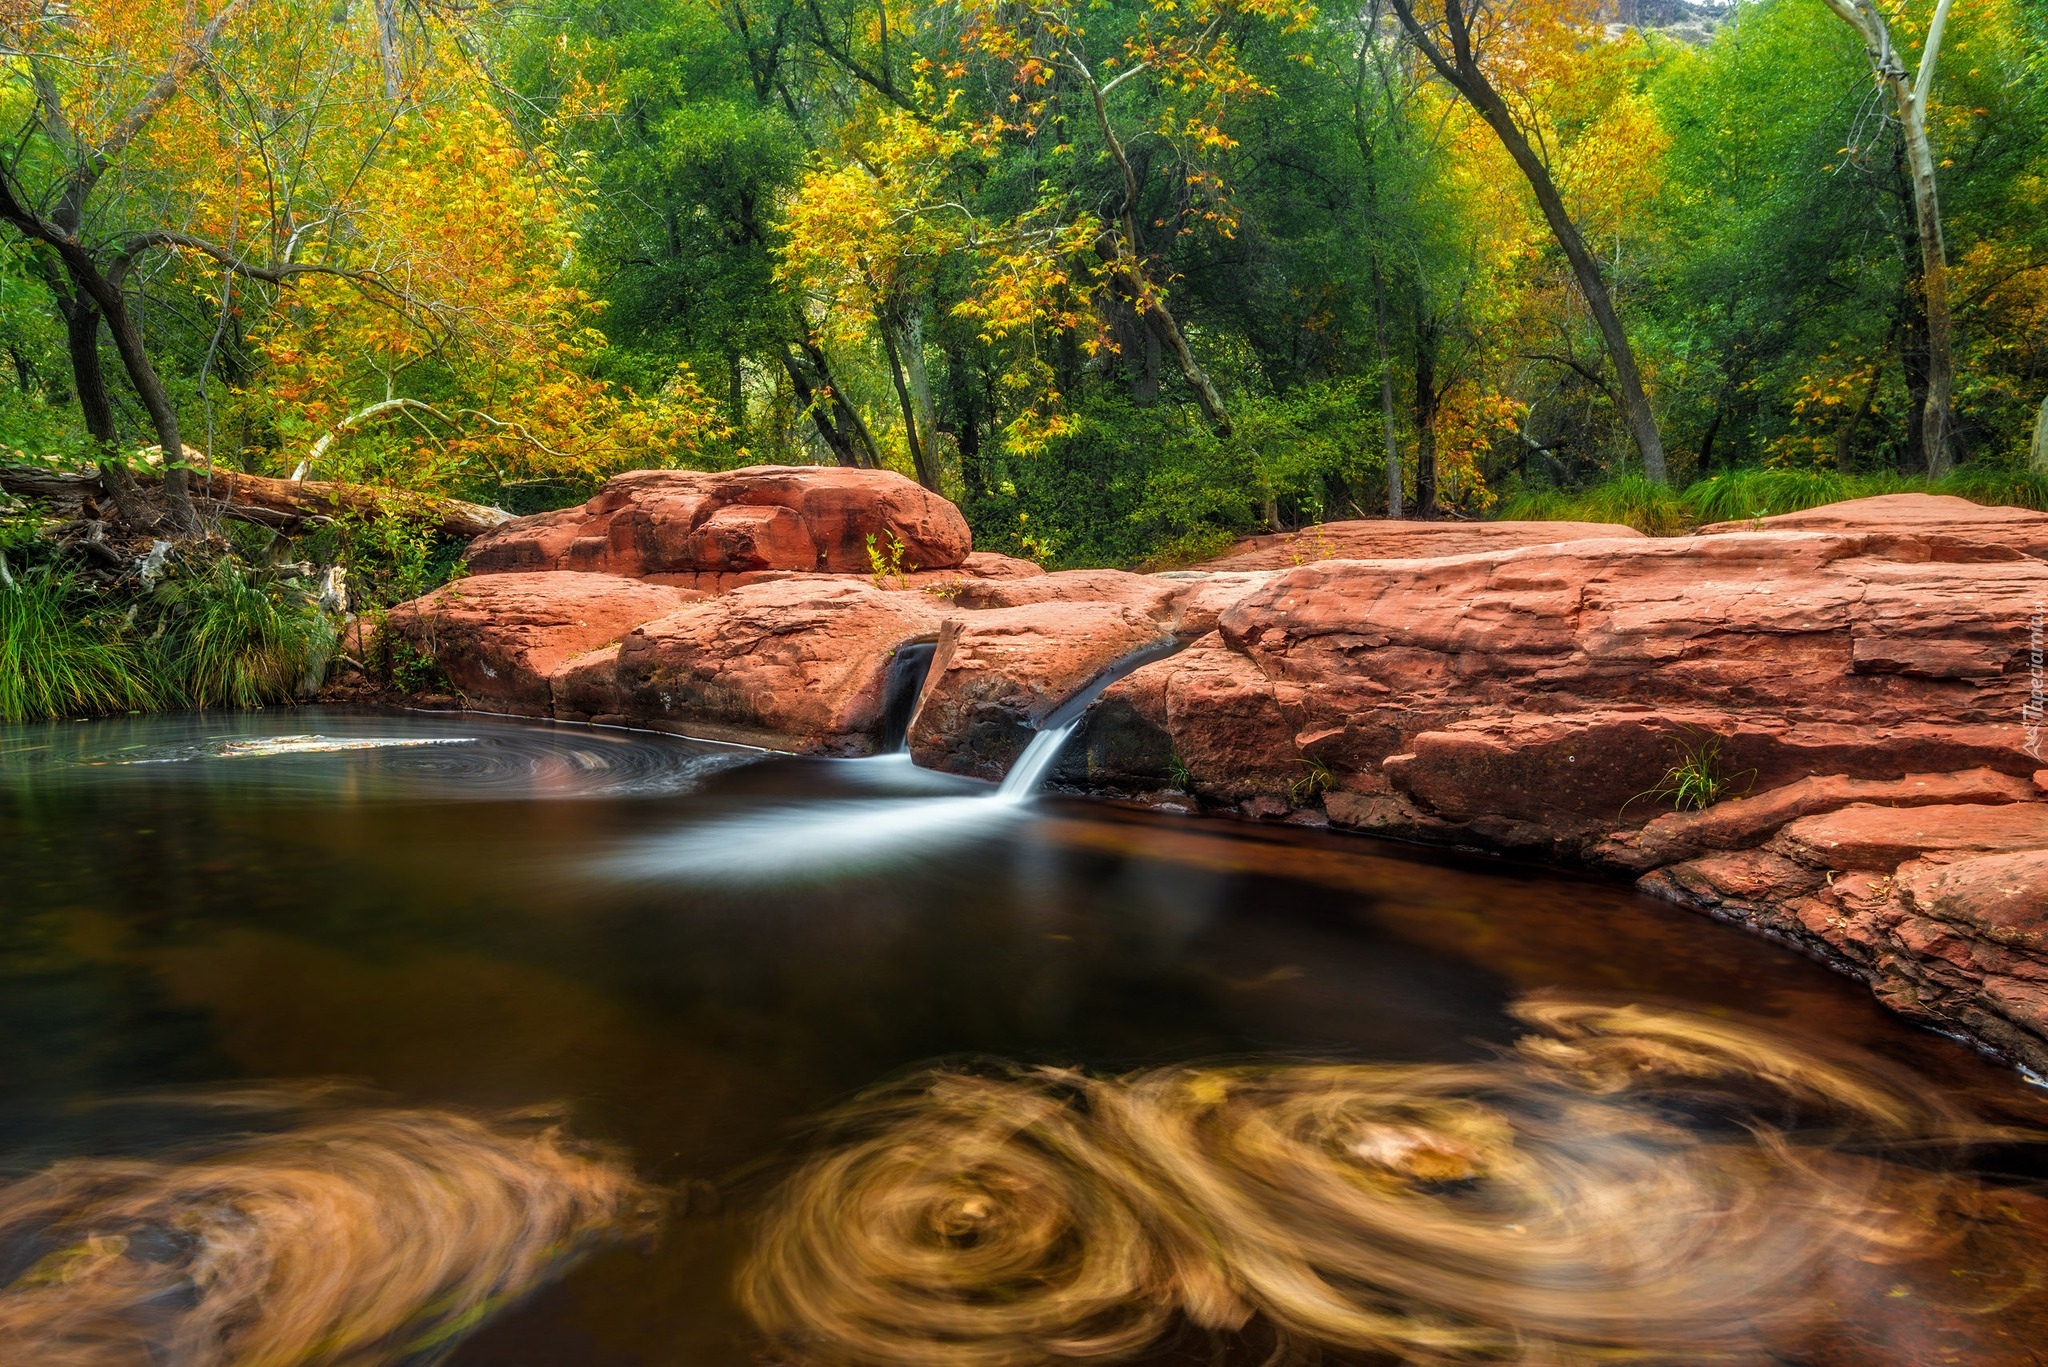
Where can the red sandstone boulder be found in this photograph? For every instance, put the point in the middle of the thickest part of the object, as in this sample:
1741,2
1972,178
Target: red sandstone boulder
795,663
1870,837
499,637
1528,695
1375,539
766,517
1007,668
1940,522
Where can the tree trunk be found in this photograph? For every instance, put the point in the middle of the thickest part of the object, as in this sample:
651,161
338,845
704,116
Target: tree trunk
1395,492
1845,437
128,343
388,48
736,398
1425,417
921,388
1167,328
96,405
1461,71
2038,459
1937,435
858,438
925,474
821,415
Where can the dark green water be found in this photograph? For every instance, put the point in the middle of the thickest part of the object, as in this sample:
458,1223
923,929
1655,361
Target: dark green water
694,949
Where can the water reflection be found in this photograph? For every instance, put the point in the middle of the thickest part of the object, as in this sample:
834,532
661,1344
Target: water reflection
351,1235
353,757
1625,1182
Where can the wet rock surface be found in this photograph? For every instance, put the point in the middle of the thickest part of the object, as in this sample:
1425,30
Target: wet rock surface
1844,687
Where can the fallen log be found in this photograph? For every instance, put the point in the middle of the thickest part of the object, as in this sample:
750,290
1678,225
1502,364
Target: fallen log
67,491
324,498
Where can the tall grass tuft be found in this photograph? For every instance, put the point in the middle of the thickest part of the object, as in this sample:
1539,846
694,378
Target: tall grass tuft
2014,487
1741,494
237,638
61,657
1630,499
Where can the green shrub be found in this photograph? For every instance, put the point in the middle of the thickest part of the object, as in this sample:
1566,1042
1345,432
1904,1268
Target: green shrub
62,654
229,636
1741,494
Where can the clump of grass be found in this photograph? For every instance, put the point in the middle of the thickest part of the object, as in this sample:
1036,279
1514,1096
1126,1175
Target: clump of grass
1999,485
1630,499
1316,779
1737,495
1695,780
61,656
234,637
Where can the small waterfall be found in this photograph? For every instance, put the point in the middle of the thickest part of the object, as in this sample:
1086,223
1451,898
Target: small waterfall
1025,776
900,692
827,840
1030,769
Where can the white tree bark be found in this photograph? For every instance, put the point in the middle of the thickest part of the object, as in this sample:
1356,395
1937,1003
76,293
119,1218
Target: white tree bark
1909,92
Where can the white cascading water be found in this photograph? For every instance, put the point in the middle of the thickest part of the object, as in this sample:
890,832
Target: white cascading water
1029,771
823,840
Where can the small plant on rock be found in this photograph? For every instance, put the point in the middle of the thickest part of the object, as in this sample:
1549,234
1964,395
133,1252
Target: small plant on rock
1314,782
887,565
1695,779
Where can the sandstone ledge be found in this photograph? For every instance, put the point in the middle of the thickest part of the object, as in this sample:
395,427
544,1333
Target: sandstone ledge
1856,675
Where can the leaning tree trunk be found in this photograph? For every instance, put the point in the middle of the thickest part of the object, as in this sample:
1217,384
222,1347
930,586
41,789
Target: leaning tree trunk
1461,71
921,387
96,406
1909,92
128,343
2038,461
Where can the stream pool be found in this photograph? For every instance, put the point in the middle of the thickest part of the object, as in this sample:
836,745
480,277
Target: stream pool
233,945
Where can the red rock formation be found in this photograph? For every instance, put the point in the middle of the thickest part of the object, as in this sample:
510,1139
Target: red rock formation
795,663
1008,667
1944,910
500,637
1377,539
1742,822
1855,675
767,517
1526,696
1937,521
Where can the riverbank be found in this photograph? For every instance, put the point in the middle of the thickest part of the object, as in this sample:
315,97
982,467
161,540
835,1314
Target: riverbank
1813,725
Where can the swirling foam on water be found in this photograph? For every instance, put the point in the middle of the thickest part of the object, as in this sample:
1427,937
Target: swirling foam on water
356,1237
1654,1186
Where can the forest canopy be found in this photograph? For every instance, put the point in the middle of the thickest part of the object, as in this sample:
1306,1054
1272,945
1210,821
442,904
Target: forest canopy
1125,278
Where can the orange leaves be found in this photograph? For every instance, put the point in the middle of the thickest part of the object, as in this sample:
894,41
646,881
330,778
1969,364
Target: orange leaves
479,314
